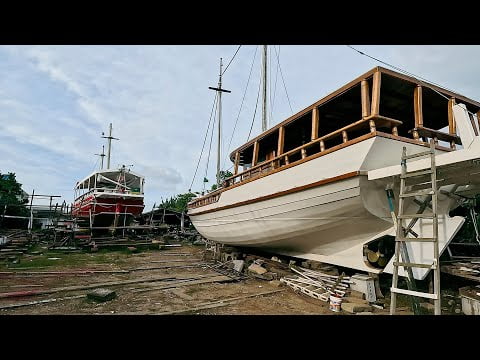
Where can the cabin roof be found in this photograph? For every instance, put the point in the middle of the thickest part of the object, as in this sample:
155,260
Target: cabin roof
103,172
345,88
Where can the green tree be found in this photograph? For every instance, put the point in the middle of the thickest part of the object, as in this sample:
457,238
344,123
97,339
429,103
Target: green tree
178,202
11,196
223,176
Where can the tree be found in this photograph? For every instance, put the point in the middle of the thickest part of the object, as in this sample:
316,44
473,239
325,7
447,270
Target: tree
223,175
12,201
178,203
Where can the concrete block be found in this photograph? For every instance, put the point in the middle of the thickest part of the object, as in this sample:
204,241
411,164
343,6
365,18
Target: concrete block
101,295
355,308
257,269
238,265
356,294
365,284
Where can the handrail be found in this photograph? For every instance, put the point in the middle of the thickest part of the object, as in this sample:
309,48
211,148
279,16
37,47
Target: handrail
392,122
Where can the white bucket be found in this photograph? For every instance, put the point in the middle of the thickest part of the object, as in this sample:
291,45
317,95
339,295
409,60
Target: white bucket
335,303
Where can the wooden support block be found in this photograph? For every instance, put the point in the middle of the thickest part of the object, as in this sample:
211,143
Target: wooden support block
304,153
344,136
372,126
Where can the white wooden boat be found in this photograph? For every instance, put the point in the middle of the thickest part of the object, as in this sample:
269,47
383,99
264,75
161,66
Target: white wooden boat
314,186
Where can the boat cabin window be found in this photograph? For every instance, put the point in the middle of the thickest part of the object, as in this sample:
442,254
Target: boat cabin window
268,147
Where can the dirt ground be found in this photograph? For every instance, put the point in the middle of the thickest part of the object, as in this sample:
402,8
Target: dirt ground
144,297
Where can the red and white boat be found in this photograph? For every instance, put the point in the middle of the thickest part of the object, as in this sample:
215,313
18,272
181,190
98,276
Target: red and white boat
109,198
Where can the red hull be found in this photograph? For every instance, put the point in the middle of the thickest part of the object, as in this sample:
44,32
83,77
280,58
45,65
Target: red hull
115,205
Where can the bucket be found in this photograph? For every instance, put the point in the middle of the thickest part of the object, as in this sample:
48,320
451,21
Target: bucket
335,303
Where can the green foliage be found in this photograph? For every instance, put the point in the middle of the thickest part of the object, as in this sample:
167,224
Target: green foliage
11,195
223,176
178,202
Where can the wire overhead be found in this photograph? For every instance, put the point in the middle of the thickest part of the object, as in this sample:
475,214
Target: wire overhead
233,57
210,147
255,112
241,105
283,80
214,105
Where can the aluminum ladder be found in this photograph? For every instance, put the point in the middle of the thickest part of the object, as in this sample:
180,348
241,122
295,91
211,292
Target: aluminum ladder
402,238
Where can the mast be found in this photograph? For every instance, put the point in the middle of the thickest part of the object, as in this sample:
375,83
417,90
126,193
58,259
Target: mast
264,93
219,91
109,149
102,155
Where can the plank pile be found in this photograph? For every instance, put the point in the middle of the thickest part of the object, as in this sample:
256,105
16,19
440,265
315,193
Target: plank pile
317,284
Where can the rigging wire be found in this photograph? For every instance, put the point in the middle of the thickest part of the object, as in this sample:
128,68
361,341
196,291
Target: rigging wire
210,148
255,112
283,80
233,57
241,105
410,74
204,140
274,87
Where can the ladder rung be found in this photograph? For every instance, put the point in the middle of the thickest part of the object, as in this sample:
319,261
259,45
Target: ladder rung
426,266
416,173
414,239
425,153
414,293
418,193
420,216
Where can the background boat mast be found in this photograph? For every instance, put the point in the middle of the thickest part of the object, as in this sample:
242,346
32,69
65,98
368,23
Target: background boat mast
219,91
102,155
109,149
264,93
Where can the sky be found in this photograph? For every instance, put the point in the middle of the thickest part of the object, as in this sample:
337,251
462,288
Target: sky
55,102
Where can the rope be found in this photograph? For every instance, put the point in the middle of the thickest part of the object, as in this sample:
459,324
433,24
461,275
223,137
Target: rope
210,148
233,57
283,80
274,88
255,112
241,105
204,140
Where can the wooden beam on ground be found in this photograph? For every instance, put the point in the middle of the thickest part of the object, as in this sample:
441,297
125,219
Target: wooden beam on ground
315,123
377,79
366,106
219,303
187,282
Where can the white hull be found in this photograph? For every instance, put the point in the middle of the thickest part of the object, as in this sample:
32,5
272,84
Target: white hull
330,222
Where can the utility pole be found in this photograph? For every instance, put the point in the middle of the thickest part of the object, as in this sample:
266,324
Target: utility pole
109,150
264,103
102,155
219,90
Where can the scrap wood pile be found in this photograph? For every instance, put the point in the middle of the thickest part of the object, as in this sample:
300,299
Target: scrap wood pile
317,284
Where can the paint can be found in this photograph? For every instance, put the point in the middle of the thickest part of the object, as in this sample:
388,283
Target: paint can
335,303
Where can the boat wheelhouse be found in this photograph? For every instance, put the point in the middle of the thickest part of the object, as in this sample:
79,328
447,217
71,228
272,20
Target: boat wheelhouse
314,186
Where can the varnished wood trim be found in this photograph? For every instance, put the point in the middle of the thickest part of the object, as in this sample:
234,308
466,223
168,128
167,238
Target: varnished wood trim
410,141
377,81
452,127
346,87
255,154
282,193
281,140
315,123
365,93
417,105
237,160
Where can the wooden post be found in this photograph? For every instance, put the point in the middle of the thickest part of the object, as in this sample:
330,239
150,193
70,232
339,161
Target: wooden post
286,160
237,160
377,79
372,125
418,110
281,139
451,121
255,154
344,136
315,123
304,153
478,119
322,145
474,126
394,131
365,91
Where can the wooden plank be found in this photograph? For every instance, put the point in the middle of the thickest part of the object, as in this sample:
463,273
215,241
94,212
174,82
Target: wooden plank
417,106
281,140
451,121
365,93
432,133
314,123
186,282
255,154
377,79
237,160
